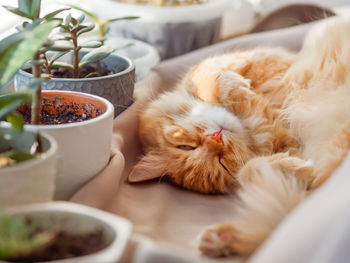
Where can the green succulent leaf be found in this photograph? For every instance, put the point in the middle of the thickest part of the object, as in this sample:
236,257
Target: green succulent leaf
30,7
88,27
122,18
18,155
91,44
59,37
81,18
18,237
95,55
58,64
64,29
37,62
60,46
67,20
16,53
10,102
17,122
54,13
16,11
57,56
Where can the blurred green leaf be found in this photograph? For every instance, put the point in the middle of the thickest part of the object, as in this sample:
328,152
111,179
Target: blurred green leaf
10,102
18,237
54,13
60,46
15,54
59,37
67,20
37,62
95,55
88,27
91,44
30,7
58,64
81,18
16,11
58,55
17,122
63,29
122,18
18,155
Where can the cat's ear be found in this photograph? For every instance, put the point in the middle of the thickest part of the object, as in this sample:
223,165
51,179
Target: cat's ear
148,168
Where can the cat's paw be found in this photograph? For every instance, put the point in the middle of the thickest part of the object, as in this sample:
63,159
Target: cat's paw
233,86
217,240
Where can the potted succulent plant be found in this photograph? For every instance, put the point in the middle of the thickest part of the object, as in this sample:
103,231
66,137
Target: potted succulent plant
144,55
62,232
174,27
27,159
84,138
96,72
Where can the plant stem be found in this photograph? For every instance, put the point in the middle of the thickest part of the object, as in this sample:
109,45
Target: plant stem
36,103
101,29
75,56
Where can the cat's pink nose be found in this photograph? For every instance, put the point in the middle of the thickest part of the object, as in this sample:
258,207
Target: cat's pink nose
217,136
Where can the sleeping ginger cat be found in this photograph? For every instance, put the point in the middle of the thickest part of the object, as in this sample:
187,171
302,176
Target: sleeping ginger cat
267,124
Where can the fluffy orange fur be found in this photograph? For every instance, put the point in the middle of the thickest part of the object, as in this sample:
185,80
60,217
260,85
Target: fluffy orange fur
268,123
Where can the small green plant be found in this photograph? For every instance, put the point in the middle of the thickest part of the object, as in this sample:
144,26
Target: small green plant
71,30
19,238
39,28
103,25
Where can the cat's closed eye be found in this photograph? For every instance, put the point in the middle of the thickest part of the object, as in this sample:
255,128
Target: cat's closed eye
185,147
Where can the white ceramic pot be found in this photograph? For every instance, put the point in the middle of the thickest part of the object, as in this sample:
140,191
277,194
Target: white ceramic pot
83,147
75,218
31,181
144,55
172,30
239,18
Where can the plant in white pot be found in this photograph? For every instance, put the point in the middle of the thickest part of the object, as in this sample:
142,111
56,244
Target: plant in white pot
27,159
62,232
81,123
172,29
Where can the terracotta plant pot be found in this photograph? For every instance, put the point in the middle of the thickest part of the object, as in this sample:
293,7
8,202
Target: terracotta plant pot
118,87
30,181
79,219
83,147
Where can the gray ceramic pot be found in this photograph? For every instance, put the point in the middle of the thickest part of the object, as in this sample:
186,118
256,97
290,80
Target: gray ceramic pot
118,87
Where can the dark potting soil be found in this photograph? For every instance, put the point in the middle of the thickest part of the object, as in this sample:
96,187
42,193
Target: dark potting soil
61,113
66,245
97,72
48,118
